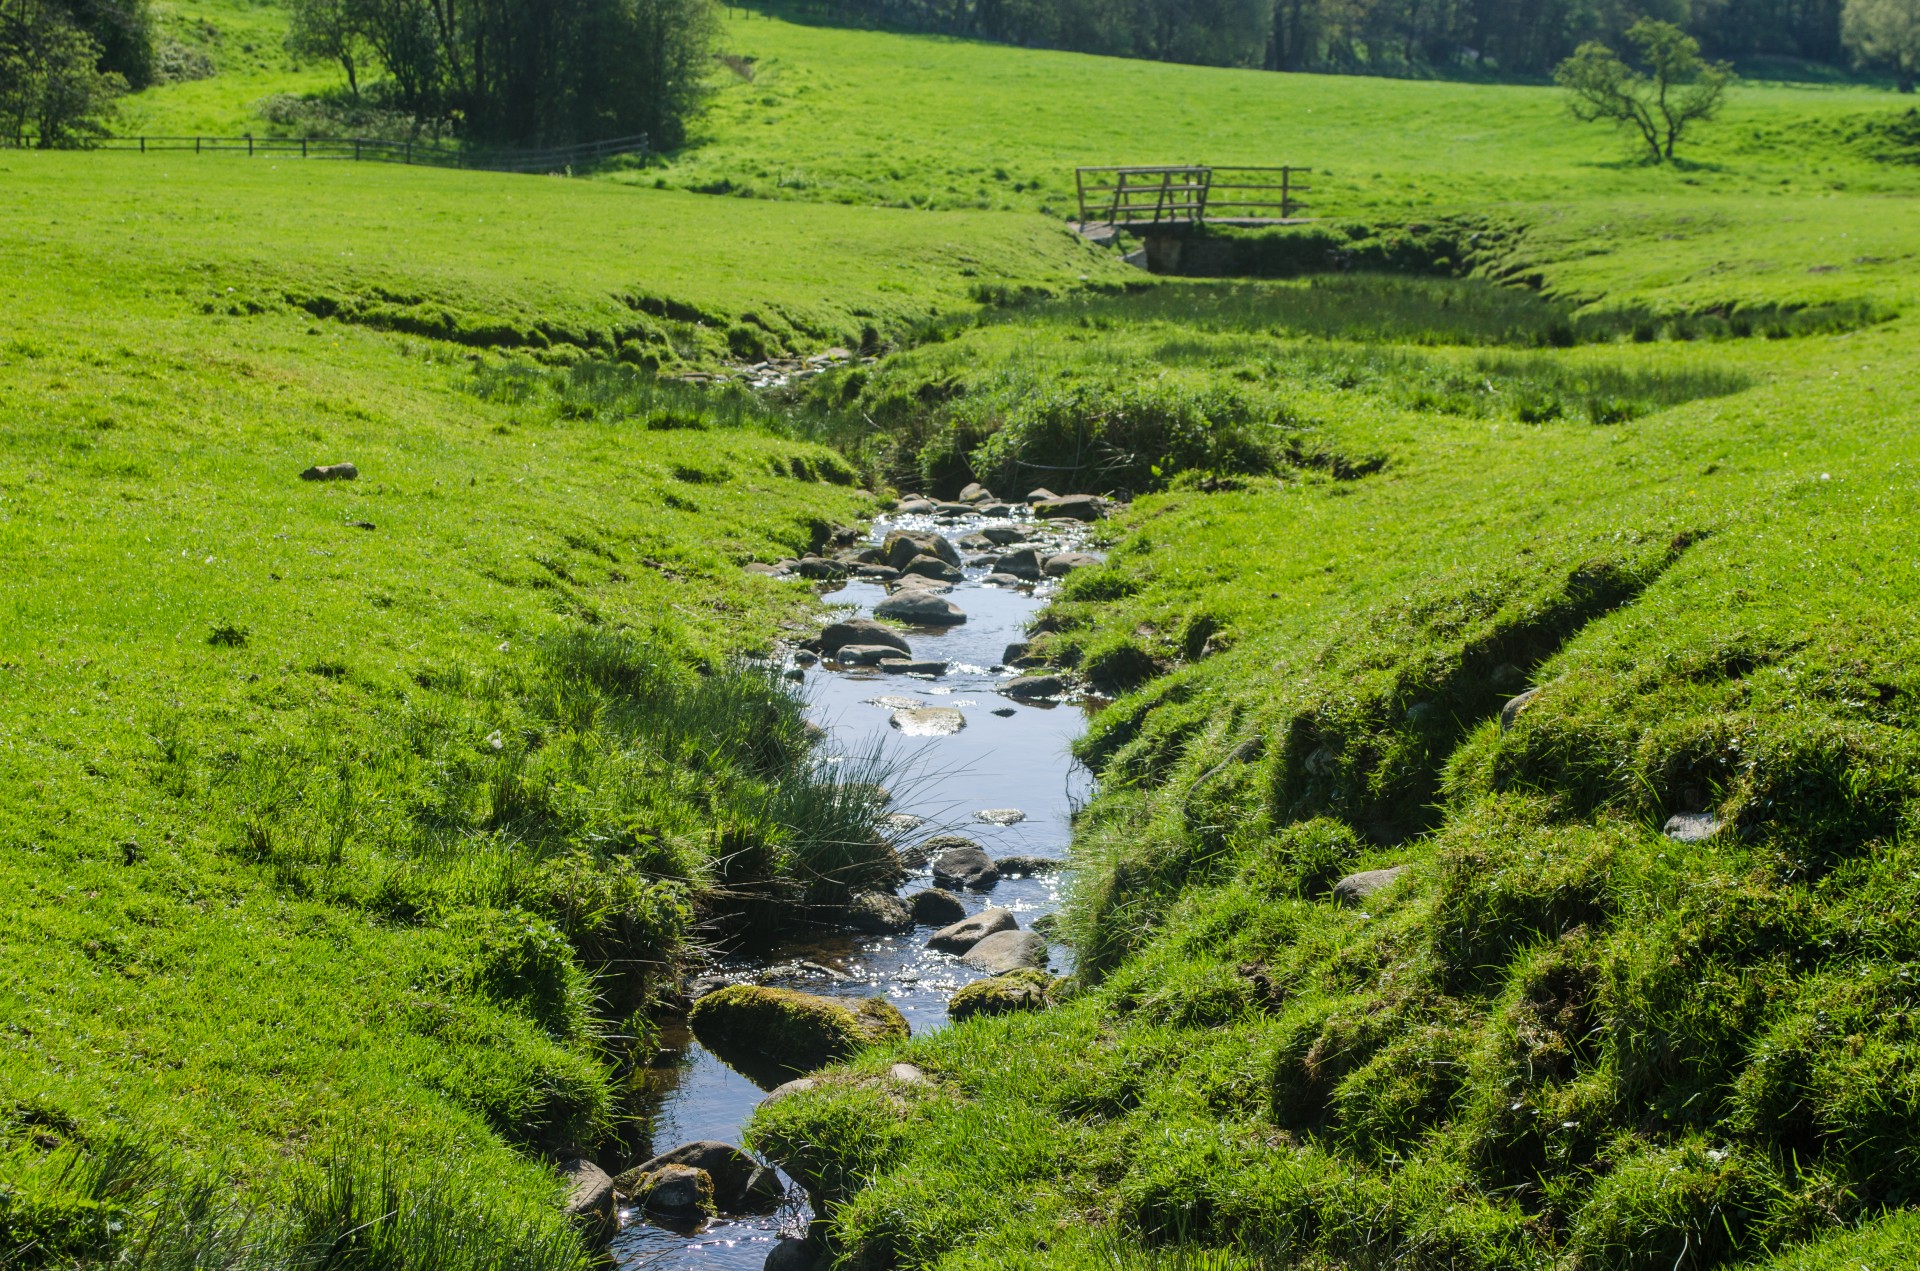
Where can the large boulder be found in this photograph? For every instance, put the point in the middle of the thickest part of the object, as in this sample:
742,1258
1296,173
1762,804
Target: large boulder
590,1201
902,546
740,1184
880,914
968,866
936,908
920,608
861,631
1072,507
1355,888
763,1031
966,933
1028,989
1007,951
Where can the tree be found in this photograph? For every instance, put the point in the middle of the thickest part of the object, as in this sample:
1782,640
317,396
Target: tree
1885,32
50,77
1675,90
329,31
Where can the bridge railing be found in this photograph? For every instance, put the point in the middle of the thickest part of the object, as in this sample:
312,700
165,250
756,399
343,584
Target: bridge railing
1188,194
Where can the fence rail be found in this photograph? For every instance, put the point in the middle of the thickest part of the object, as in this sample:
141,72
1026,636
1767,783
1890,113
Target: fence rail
1188,194
370,149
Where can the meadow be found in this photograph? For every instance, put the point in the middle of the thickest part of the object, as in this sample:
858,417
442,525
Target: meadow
331,806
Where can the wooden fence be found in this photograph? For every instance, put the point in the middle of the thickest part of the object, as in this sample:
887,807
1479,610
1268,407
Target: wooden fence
1188,194
368,149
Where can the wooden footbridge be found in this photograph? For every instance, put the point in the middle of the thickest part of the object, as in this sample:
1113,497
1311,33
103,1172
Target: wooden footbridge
1160,200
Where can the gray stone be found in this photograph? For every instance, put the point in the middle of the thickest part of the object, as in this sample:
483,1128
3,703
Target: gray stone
731,1171
1002,535
954,509
901,822
331,472
919,608
1355,888
902,546
997,579
819,568
936,908
1000,816
877,573
1028,688
861,631
996,509
909,666
1041,495
1026,866
961,936
679,1191
864,654
975,543
1510,713
915,507
590,1200
878,913
974,492
1014,652
929,721
968,866
1691,827
790,1254
920,583
908,1075
1059,566
1072,507
762,567
762,1194
1024,563
799,1085
1007,951
933,567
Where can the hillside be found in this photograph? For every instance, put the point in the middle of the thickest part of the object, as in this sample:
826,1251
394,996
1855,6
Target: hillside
1580,502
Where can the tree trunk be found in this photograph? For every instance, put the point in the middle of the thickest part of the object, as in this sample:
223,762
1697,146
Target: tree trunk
1905,82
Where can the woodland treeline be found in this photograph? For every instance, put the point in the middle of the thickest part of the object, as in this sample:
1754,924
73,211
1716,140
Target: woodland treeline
1507,37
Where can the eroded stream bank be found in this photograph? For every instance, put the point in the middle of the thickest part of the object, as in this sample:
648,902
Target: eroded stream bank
1007,756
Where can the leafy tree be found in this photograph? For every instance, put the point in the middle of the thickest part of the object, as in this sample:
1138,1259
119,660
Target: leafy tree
1676,89
51,83
1886,32
330,31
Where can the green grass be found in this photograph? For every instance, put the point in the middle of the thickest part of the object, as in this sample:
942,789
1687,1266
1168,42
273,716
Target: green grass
364,817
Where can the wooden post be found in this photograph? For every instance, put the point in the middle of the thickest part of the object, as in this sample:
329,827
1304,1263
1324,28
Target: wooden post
303,147
143,145
409,150
196,145
249,145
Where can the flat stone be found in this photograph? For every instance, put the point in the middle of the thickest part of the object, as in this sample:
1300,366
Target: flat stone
961,936
1042,495
953,509
1002,535
1007,951
1691,827
920,583
1028,688
590,1201
929,721
1000,816
786,1089
936,908
864,654
1072,507
1510,713
677,1190
996,509
1064,563
861,631
1355,888
918,608
910,666
916,507
933,567
331,472
901,822
817,567
1027,866
974,492
1006,580
877,573
895,702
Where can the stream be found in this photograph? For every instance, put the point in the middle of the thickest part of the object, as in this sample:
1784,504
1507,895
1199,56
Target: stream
1009,755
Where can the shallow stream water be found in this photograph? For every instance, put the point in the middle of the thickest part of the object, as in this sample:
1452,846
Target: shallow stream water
1009,755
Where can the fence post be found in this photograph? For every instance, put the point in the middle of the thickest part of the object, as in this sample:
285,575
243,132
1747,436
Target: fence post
303,147
249,145
196,145
409,150
356,149
143,145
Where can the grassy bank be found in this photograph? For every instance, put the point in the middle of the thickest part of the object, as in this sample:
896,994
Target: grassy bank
1559,1037
353,828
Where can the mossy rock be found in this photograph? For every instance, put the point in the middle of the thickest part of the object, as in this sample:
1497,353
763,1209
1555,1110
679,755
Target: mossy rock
1024,990
771,1034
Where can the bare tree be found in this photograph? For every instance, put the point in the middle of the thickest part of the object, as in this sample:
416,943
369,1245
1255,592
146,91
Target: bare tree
1676,89
1884,32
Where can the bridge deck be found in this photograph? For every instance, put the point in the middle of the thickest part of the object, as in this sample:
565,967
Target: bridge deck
1175,198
